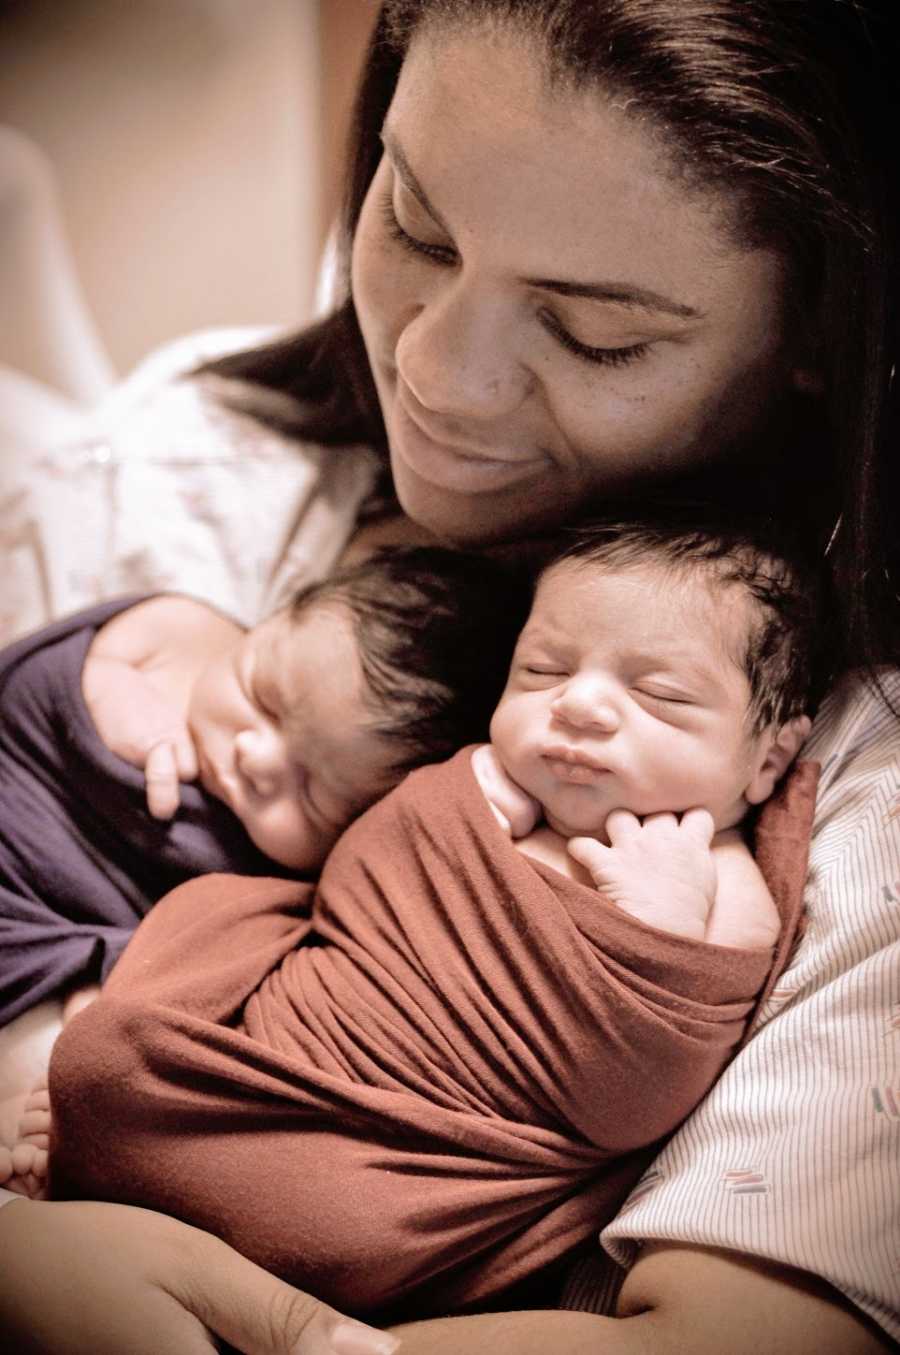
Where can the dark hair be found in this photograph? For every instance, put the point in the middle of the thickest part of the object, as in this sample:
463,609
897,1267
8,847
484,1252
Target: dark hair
436,630
789,107
783,658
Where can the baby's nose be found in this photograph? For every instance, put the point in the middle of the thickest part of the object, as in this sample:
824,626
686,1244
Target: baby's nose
587,705
256,758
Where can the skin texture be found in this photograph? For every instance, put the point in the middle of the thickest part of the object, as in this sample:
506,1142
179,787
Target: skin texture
485,214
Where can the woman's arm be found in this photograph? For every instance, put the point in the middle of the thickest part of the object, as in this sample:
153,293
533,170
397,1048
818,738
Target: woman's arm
677,1300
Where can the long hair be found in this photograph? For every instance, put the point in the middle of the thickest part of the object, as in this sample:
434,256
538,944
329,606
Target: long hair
788,109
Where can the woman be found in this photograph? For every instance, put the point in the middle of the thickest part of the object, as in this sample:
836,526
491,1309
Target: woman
607,245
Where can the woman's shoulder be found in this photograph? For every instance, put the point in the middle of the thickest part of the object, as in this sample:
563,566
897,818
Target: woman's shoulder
176,358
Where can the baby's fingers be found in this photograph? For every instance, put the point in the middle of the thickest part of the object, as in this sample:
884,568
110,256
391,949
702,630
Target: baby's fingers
698,824
161,776
185,756
620,825
590,853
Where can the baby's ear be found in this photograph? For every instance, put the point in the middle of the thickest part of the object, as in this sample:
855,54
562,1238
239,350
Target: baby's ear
777,752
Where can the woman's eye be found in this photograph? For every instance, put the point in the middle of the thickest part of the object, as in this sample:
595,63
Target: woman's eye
441,254
603,357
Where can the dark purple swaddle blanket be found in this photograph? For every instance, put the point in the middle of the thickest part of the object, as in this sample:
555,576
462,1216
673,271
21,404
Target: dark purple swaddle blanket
81,859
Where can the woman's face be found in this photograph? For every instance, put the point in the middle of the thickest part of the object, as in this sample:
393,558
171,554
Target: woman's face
550,313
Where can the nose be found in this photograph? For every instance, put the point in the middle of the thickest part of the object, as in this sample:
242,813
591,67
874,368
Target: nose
585,703
257,758
459,355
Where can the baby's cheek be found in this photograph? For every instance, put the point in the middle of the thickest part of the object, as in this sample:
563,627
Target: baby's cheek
284,834
507,726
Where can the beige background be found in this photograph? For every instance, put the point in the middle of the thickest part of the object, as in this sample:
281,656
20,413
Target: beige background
194,145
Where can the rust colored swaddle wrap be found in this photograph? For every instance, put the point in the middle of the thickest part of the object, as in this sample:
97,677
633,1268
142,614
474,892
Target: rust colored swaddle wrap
419,1082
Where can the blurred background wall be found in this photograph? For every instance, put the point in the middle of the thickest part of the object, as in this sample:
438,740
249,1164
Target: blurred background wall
194,144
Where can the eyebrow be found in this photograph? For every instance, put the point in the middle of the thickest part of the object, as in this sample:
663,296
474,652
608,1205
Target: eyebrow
617,293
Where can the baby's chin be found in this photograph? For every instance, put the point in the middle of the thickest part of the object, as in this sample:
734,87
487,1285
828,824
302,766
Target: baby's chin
583,826
594,825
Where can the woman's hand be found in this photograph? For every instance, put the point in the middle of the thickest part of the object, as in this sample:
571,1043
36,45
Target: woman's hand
100,1279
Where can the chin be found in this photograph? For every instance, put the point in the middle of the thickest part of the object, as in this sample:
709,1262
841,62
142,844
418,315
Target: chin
479,519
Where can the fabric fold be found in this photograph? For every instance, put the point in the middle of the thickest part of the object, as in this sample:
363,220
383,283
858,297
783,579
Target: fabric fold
422,1082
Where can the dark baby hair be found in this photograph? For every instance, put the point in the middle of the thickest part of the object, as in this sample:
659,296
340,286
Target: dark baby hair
782,658
436,629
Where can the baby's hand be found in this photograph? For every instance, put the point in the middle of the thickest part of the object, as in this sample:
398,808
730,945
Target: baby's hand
659,869
516,811
137,724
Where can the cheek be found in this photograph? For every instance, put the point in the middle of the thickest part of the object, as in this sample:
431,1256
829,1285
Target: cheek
515,718
283,833
379,279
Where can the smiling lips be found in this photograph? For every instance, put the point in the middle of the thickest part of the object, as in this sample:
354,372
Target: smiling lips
574,765
454,466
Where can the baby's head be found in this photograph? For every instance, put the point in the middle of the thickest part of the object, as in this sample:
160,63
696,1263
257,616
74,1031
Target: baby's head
662,667
319,710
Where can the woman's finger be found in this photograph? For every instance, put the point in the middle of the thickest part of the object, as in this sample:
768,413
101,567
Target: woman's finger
262,1315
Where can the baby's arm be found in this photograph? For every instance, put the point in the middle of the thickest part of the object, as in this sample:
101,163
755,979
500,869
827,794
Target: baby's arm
136,681
672,873
743,912
516,811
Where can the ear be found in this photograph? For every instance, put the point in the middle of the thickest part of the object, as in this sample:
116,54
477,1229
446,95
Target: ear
777,752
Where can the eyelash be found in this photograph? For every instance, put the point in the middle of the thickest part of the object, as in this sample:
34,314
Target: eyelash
666,701
438,254
603,357
445,257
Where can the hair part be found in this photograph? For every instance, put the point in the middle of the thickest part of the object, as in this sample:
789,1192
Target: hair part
435,629
782,652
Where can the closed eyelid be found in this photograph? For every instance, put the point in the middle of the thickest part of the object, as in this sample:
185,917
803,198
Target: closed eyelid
403,170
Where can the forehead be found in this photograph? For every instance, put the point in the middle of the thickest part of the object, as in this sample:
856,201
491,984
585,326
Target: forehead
495,143
675,614
302,645
312,663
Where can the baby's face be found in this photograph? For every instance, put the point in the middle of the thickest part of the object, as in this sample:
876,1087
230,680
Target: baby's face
626,691
283,735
